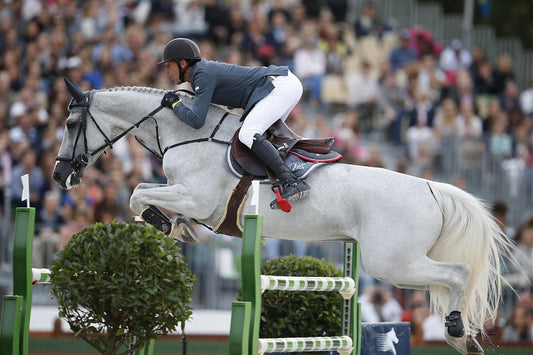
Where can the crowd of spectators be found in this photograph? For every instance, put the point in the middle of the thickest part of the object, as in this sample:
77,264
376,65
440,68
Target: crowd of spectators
359,79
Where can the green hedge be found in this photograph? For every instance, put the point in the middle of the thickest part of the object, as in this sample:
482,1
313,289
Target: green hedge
118,280
295,314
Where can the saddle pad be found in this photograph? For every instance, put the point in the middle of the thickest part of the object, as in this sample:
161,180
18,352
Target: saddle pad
300,165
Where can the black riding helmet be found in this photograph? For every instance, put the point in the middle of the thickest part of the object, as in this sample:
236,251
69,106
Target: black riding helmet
181,48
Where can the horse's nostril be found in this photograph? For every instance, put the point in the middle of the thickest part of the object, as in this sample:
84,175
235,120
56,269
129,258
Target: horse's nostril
57,176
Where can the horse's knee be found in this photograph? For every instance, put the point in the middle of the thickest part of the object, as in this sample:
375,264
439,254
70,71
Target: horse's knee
135,202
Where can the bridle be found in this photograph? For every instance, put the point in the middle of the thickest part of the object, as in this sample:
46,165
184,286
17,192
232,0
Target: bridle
80,161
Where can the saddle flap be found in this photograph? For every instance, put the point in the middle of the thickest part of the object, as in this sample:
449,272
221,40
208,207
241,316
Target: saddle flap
245,158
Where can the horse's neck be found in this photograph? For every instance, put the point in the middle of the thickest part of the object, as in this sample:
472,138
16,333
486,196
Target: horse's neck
126,107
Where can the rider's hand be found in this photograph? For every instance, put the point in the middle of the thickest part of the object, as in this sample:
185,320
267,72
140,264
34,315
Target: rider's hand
170,99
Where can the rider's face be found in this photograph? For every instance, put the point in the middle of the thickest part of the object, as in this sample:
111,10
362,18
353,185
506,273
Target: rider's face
173,71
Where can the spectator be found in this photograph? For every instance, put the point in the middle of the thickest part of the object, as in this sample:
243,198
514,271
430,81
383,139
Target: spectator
402,55
526,100
217,19
277,33
348,136
431,79
310,63
339,9
334,48
423,43
509,98
391,101
446,125
446,131
256,43
363,91
518,328
374,158
503,72
50,215
499,211
368,23
484,83
464,90
478,57
378,305
416,311
420,137
27,165
453,58
500,143
469,125
190,20
524,258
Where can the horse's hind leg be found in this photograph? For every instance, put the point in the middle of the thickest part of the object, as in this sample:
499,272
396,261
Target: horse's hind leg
423,272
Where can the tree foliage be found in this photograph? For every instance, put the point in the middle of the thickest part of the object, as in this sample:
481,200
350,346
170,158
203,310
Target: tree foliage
121,280
509,19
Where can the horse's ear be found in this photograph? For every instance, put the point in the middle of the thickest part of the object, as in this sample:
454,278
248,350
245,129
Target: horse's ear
74,90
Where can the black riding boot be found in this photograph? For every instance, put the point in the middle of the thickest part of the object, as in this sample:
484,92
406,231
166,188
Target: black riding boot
292,189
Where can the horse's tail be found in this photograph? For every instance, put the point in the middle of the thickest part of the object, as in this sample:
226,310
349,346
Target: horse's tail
469,235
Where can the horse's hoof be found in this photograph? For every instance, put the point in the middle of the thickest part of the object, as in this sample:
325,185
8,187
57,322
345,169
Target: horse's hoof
183,231
473,347
454,323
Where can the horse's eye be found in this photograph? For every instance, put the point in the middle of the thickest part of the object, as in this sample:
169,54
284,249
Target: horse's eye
71,124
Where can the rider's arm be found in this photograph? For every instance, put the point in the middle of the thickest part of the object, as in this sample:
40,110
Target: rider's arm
204,89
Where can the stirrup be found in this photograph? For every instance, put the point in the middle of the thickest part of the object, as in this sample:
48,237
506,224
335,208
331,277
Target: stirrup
282,201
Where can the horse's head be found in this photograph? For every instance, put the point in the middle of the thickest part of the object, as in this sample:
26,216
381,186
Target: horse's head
79,149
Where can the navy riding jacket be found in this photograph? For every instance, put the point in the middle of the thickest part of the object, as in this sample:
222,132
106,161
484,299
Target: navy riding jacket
226,84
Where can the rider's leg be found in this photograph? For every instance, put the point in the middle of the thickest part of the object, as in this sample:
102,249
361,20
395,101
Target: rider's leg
291,188
277,105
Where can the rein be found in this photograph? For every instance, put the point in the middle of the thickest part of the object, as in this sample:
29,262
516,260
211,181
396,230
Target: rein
82,160
211,138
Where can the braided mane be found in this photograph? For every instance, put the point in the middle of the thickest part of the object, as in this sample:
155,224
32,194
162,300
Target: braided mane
145,89
135,88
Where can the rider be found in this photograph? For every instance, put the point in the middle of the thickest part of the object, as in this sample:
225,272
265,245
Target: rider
265,93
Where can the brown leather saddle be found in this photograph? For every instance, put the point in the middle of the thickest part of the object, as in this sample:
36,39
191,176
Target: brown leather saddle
309,153
286,141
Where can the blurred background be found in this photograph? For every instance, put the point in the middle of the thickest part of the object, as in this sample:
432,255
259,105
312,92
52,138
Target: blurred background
438,89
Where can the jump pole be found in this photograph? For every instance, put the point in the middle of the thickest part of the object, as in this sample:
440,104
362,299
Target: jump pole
16,309
246,314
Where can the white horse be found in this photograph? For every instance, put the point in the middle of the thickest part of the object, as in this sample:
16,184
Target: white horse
413,233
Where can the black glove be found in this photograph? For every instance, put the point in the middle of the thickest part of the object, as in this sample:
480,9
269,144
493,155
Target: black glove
169,99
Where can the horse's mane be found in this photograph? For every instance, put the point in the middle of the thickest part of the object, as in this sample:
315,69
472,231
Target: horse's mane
151,90
134,88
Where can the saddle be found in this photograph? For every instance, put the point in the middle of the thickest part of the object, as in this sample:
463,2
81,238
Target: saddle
287,142
302,156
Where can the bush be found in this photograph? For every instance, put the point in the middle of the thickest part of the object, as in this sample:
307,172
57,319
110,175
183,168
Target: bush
121,280
296,314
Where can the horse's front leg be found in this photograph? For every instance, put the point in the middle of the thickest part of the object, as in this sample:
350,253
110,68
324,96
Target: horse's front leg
146,201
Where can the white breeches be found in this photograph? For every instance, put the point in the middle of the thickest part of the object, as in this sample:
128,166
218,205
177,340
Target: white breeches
276,105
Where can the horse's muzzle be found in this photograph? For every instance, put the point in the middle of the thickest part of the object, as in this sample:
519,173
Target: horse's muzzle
65,175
